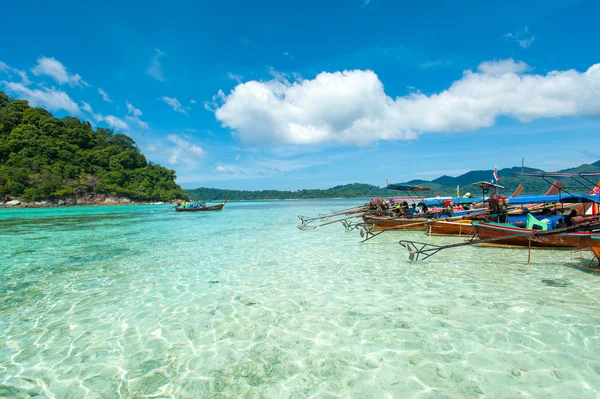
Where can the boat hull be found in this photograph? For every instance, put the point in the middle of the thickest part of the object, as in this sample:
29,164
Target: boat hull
205,209
595,247
451,228
512,239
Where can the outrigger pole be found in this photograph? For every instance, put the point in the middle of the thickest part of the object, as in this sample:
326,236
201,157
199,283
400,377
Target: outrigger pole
308,219
308,227
416,249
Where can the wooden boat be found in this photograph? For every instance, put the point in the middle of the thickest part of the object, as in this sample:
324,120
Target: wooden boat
451,228
520,237
201,208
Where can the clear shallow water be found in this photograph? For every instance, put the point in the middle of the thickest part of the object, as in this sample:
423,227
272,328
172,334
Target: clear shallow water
143,302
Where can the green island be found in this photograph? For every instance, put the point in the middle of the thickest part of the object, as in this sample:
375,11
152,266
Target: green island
43,158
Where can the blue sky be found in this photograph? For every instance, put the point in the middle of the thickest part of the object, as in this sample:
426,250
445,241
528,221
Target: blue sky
281,95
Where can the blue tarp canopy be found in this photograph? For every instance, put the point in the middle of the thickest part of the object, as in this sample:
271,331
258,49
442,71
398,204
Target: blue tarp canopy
548,199
523,200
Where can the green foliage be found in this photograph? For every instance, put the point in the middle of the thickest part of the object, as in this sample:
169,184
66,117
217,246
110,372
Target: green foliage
43,157
346,191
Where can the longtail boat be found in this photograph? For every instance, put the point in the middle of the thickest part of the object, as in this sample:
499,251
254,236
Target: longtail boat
585,236
509,235
200,207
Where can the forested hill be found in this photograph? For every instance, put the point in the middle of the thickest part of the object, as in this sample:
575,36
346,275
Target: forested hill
46,158
444,185
346,191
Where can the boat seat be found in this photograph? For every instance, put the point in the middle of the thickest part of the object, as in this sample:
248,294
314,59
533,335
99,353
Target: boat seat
532,223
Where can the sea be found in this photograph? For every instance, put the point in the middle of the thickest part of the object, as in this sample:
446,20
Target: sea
144,302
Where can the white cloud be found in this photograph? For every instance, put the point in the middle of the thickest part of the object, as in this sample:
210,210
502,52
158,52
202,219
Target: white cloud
523,38
55,69
155,68
233,76
111,120
184,151
133,115
495,68
352,107
51,99
115,122
105,96
222,169
87,107
173,102
525,43
13,71
213,105
133,110
192,101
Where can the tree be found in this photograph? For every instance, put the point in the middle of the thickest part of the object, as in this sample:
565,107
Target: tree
43,157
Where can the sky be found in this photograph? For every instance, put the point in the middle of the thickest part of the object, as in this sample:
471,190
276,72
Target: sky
314,94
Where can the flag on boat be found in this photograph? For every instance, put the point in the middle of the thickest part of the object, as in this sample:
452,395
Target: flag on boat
458,191
495,177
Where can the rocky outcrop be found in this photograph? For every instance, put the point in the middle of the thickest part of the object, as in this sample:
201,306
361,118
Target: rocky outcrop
85,200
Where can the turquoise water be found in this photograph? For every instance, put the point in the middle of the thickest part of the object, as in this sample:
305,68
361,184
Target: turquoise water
141,301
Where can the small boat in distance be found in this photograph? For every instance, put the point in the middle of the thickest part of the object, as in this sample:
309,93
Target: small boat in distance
198,207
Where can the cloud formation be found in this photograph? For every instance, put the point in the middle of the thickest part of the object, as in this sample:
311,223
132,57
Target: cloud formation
105,96
133,115
222,169
51,99
184,151
56,70
351,107
234,76
14,71
155,68
523,38
175,104
111,120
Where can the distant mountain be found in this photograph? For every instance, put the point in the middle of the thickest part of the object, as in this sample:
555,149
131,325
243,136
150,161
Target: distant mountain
444,185
508,179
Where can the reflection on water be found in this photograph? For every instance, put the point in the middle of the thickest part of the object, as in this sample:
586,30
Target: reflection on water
144,302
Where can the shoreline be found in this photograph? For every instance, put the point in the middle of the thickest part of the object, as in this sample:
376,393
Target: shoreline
40,205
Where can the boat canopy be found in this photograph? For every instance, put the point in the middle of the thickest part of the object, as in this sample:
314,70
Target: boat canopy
558,174
549,199
487,184
401,187
524,200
